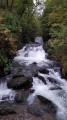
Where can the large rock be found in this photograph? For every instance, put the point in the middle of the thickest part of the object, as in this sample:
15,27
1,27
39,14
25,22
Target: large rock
53,81
56,88
48,106
35,110
42,78
19,74
44,71
47,116
20,83
6,111
43,99
21,96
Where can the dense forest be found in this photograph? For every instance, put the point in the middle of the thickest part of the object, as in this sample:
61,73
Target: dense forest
20,23
54,27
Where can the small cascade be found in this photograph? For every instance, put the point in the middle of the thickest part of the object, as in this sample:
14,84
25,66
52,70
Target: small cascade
6,94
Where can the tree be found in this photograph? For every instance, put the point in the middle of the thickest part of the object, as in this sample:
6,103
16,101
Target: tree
7,4
53,15
11,7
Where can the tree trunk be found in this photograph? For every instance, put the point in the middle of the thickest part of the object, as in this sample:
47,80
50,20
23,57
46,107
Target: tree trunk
11,5
7,4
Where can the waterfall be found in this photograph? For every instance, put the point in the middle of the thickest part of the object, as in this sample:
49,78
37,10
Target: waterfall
55,89
35,53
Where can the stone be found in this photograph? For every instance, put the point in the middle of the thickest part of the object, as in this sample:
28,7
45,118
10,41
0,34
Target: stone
52,80
42,78
43,99
47,105
19,74
44,71
20,83
6,111
47,116
56,88
21,96
34,110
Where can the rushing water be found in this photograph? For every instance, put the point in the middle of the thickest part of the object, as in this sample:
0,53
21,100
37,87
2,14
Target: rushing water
6,94
55,91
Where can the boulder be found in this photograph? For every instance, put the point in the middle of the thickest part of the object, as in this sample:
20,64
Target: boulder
19,74
42,78
47,116
44,71
47,105
56,88
34,110
52,80
43,99
20,83
21,96
6,111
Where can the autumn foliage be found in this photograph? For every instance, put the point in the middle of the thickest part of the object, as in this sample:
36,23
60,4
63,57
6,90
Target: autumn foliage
54,22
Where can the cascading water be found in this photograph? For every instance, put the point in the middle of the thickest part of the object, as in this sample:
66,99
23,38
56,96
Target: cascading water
6,94
55,91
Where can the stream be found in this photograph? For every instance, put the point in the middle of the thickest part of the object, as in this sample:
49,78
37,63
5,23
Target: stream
54,89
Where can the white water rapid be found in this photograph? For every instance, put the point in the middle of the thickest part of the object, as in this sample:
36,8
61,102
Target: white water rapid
6,94
55,91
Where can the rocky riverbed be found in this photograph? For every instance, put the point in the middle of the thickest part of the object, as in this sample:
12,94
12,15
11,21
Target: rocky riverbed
34,90
19,109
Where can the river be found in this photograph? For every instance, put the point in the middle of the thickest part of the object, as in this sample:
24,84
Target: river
55,89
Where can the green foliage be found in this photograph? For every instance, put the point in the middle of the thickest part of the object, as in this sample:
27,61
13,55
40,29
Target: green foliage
54,22
50,51
5,64
10,21
54,18
18,23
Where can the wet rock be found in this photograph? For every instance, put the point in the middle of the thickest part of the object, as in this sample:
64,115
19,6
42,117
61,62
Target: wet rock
20,83
6,111
47,105
56,88
44,71
47,116
19,74
43,99
5,97
35,110
45,46
32,91
53,80
42,78
21,96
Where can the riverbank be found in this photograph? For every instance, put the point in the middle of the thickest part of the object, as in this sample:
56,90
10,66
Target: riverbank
59,56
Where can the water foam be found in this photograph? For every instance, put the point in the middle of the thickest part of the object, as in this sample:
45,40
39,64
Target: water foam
31,55
57,96
6,94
